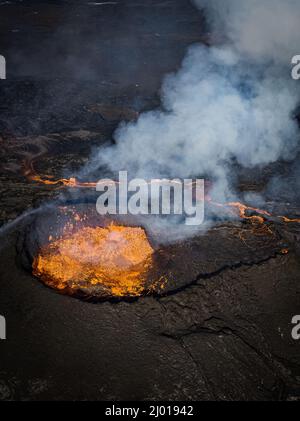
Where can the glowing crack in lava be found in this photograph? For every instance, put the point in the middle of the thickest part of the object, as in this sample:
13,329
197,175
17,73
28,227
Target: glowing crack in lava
115,258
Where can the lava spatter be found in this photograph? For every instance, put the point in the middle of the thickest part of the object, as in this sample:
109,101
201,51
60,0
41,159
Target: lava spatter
115,258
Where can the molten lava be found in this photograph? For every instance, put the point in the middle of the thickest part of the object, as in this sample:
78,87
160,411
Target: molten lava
235,208
115,258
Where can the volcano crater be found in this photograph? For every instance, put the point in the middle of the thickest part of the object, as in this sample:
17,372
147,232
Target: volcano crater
117,259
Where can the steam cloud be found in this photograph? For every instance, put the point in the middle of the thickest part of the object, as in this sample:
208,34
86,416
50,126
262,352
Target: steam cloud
260,29
228,103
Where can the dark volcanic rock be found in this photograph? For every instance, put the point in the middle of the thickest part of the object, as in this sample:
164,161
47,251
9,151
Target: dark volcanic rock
224,336
221,329
234,245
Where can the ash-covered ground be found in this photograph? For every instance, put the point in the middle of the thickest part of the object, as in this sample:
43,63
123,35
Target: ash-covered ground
222,328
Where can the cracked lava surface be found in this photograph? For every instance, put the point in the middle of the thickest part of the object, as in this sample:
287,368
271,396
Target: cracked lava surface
221,327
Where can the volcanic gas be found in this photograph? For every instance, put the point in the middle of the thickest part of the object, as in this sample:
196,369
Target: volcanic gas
113,258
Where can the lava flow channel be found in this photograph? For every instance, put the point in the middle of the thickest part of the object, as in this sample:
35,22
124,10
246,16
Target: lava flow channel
234,208
114,259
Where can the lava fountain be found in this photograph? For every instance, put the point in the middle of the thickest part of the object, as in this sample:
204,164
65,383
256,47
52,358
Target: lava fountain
113,259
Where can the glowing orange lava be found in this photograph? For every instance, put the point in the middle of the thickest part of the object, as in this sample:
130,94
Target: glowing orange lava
66,182
115,258
235,208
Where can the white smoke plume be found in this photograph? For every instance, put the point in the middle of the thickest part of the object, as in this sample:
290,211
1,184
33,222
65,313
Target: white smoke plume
231,102
260,29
